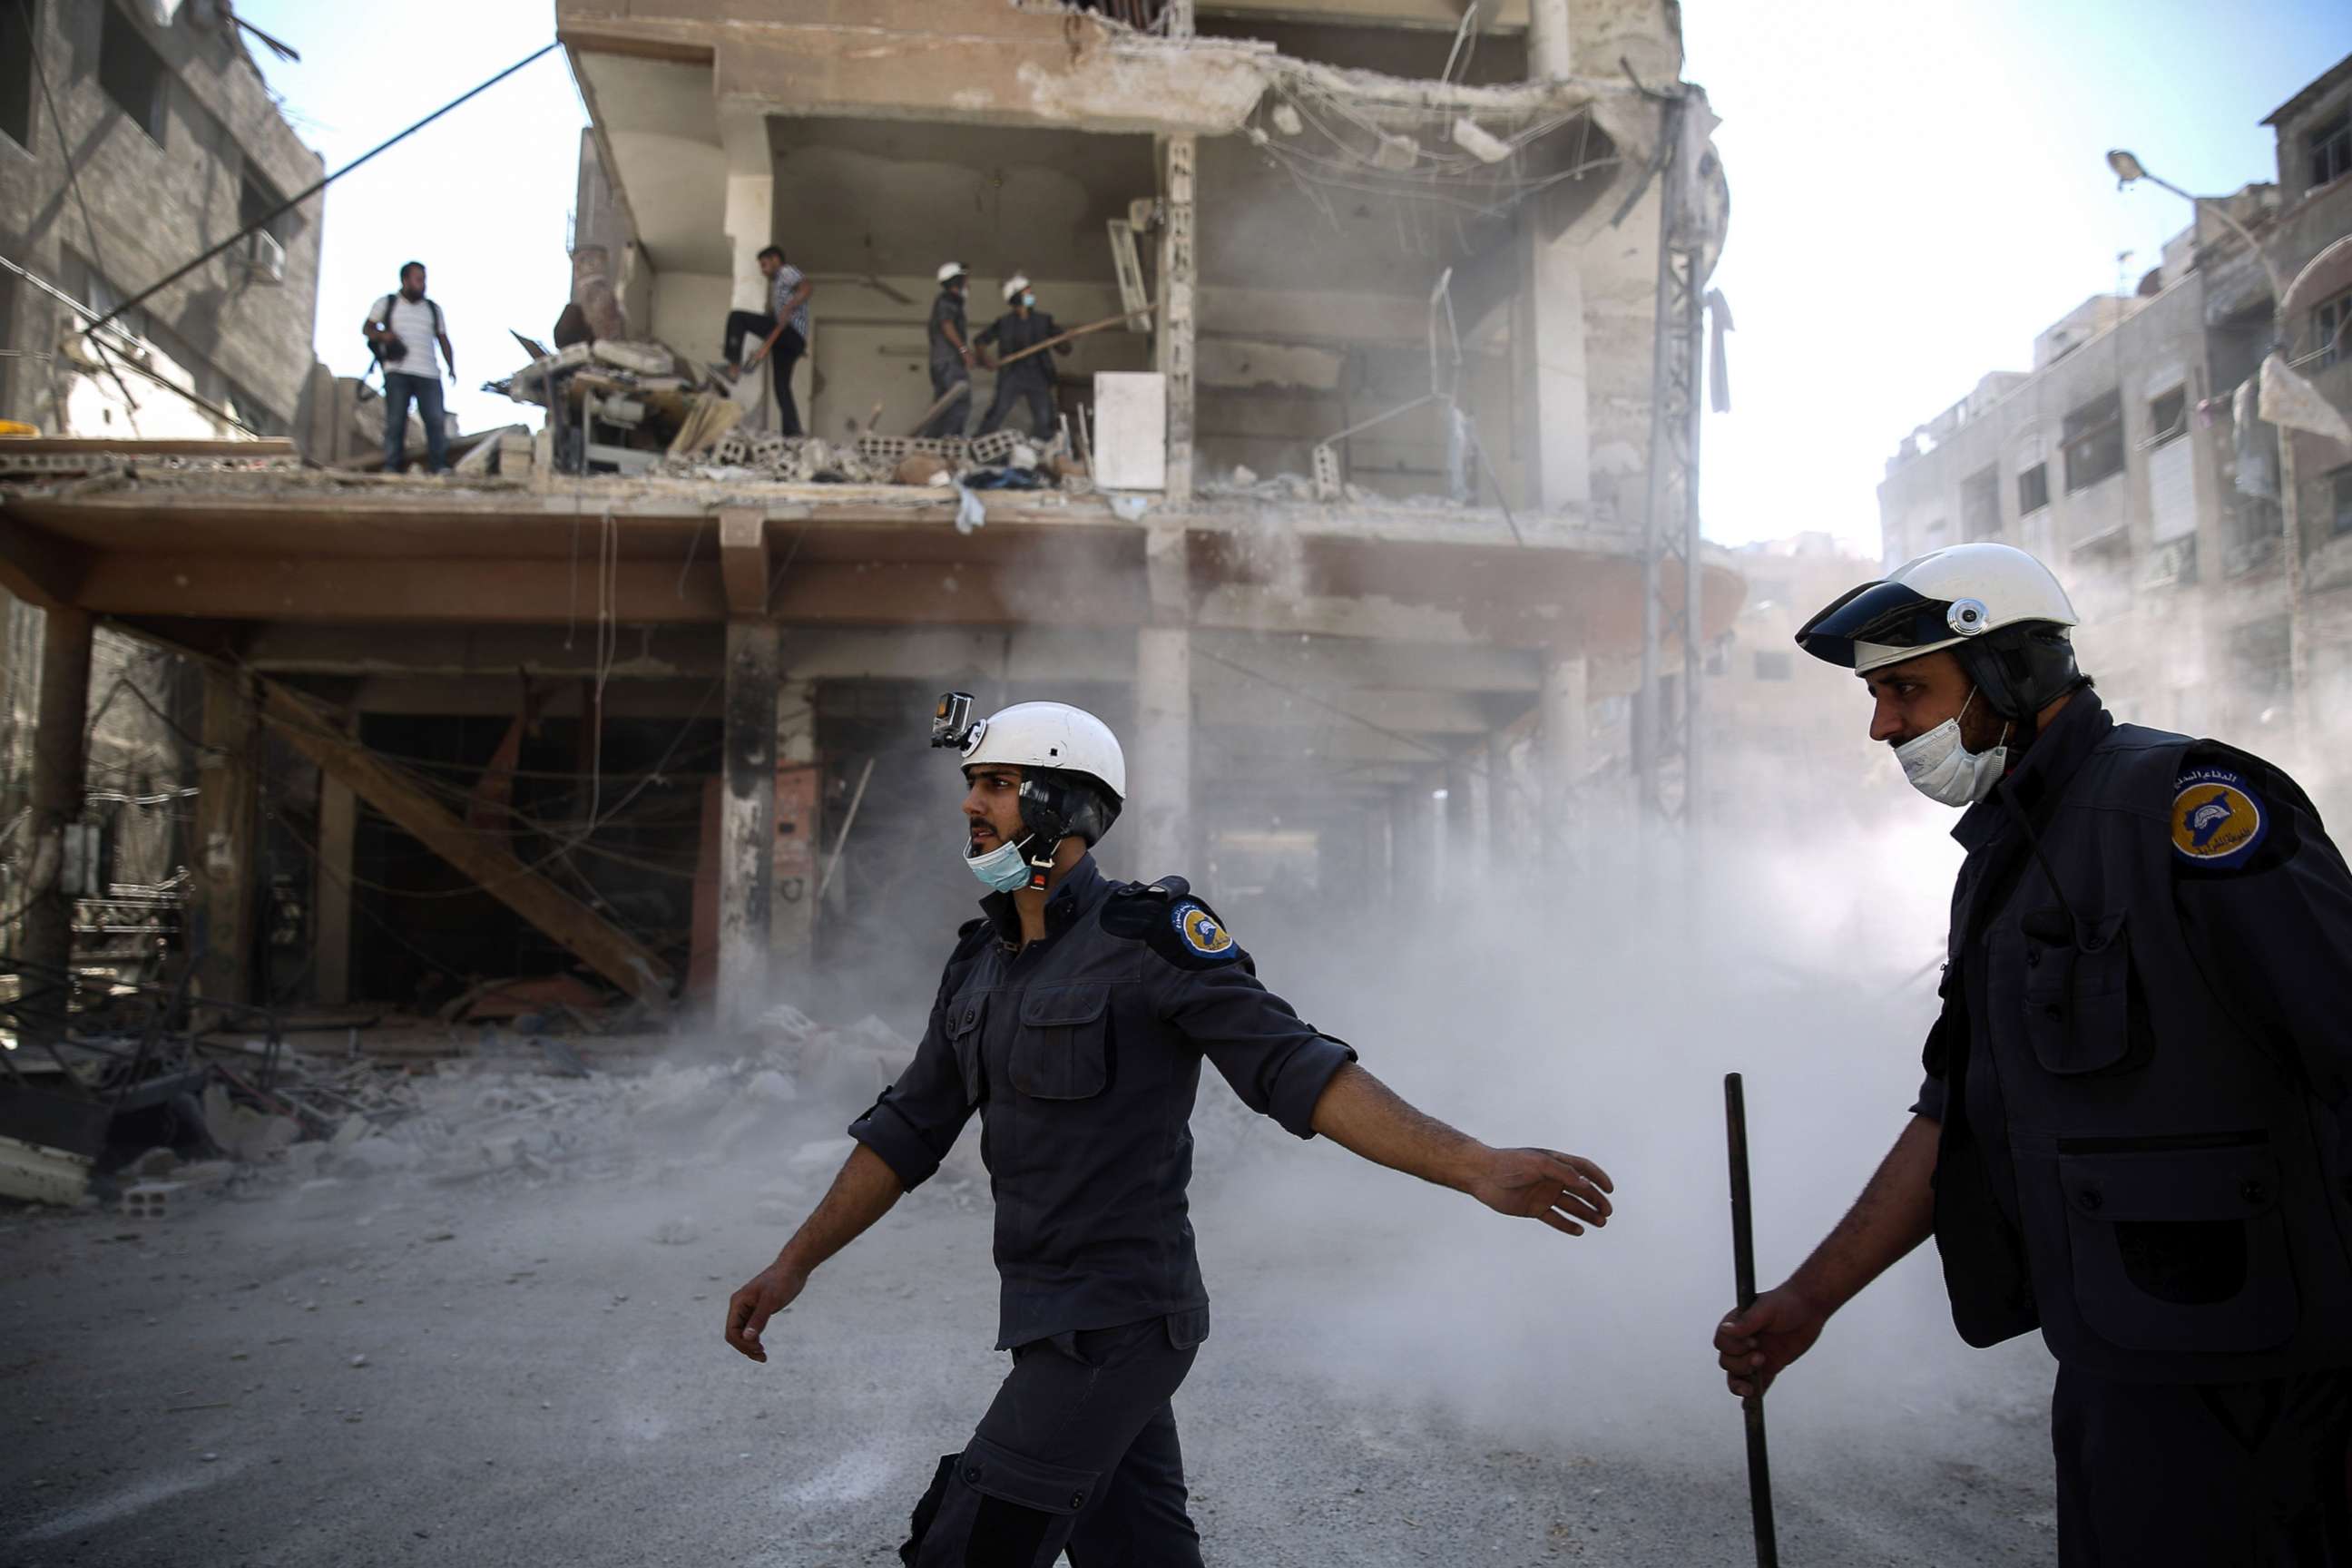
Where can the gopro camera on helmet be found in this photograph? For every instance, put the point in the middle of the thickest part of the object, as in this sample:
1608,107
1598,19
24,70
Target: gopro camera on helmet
951,723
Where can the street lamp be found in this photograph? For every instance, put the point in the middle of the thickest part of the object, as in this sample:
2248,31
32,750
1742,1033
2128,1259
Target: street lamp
2128,168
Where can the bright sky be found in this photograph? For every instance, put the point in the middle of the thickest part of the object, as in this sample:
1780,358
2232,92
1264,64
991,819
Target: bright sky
1916,191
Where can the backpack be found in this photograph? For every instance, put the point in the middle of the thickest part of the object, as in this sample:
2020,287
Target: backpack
382,314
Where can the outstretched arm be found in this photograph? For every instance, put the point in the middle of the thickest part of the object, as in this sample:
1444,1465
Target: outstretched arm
1363,1115
862,1193
1895,1213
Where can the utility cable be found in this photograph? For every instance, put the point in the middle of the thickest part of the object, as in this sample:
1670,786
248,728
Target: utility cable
291,202
1439,752
73,180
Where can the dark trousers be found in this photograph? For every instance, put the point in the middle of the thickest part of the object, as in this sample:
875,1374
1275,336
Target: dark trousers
1040,397
950,420
2252,1474
789,348
399,388
1077,1453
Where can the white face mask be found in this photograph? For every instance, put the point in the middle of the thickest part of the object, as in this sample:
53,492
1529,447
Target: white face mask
1946,772
1004,868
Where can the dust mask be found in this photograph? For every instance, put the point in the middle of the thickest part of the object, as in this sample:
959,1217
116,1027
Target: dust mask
1004,868
1946,772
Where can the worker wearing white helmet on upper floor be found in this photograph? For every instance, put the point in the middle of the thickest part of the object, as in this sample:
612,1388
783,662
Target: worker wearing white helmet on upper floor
1073,1016
952,353
1031,378
2136,1129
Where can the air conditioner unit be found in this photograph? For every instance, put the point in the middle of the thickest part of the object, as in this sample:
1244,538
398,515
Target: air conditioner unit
264,257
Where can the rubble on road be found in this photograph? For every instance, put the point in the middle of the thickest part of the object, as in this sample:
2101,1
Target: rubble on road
467,1103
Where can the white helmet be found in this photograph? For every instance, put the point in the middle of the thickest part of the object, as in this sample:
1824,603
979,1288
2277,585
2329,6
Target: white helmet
1015,285
1050,735
1940,600
949,271
1073,775
1998,609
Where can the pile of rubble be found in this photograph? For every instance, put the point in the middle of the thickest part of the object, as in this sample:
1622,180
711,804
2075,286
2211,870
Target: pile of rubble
516,1109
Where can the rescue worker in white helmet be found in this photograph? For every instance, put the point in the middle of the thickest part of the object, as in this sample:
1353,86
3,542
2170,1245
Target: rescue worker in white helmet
1074,1015
2132,1131
950,351
1030,379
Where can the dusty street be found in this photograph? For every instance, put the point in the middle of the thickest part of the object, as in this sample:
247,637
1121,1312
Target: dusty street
543,1381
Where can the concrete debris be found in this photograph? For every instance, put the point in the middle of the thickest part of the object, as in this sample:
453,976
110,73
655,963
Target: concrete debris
1396,152
245,1133
1479,143
151,1200
922,468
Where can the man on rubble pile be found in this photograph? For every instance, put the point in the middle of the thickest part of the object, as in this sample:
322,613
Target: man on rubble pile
1073,1016
403,329
1031,380
2132,1131
950,352
782,330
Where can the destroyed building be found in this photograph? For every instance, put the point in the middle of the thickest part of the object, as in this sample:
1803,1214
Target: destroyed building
131,147
127,145
1344,534
2142,458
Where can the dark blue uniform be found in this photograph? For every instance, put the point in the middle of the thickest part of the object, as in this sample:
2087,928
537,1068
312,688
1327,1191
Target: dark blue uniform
1030,380
2141,1074
1082,1053
948,366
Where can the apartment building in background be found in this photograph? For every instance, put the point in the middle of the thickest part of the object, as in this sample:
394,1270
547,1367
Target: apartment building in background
133,137
2132,458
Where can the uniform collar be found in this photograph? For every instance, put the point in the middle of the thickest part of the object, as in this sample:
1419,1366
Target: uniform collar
2056,755
1072,897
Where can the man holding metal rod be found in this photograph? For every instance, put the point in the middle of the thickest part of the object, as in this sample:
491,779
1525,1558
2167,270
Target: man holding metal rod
2136,1130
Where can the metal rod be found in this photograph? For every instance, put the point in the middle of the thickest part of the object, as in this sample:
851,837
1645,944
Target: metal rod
857,798
1743,1266
292,202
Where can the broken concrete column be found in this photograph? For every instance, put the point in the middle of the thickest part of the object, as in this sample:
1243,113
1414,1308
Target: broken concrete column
792,922
1471,796
1549,350
330,969
1160,761
1565,753
1179,290
1507,836
747,822
1551,51
225,895
59,775
1160,770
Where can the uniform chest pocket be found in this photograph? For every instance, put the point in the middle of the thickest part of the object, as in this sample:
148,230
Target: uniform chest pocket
962,1021
2077,993
1062,1051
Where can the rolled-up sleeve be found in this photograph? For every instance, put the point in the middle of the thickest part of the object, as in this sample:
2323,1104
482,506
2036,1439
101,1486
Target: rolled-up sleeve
918,1119
1276,1061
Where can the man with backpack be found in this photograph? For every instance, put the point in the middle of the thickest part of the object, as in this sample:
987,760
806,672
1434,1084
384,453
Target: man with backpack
402,329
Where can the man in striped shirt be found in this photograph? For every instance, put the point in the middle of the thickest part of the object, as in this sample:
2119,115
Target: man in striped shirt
783,330
405,328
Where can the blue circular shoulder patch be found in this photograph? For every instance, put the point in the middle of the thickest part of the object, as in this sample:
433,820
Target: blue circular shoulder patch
1199,931
2217,820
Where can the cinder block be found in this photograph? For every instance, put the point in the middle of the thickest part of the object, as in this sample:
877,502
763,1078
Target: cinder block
154,1200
